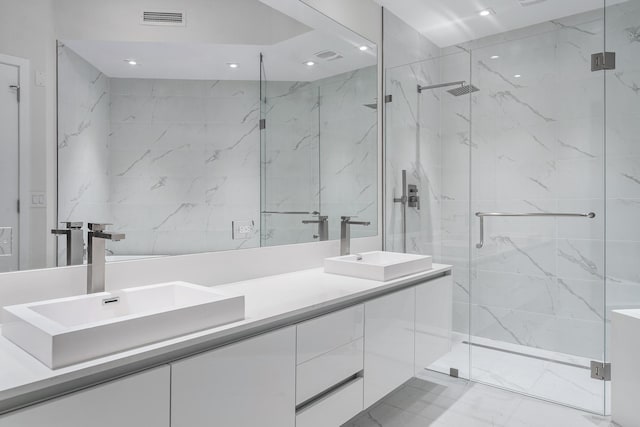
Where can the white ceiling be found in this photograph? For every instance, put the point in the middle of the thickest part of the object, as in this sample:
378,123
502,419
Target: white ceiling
450,22
284,60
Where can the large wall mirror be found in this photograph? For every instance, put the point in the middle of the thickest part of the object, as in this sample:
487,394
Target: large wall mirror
189,126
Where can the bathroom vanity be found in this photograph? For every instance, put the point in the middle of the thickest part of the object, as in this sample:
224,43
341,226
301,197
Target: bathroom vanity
314,349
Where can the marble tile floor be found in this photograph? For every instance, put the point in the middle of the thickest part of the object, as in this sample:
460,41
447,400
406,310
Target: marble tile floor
434,399
552,376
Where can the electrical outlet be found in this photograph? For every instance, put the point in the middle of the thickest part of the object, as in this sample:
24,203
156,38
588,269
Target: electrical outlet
41,79
242,230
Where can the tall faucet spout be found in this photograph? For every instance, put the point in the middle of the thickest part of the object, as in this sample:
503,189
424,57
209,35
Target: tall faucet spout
96,258
345,233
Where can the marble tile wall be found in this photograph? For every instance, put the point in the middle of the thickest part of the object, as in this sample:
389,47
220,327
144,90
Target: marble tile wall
172,163
83,142
184,164
291,165
349,150
320,154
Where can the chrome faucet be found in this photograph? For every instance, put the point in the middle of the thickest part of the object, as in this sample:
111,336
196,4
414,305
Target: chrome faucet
345,233
75,241
323,227
97,237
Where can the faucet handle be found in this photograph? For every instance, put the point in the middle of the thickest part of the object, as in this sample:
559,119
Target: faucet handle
73,225
70,225
98,226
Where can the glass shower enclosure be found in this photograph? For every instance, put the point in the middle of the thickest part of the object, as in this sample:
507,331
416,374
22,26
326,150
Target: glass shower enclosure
530,185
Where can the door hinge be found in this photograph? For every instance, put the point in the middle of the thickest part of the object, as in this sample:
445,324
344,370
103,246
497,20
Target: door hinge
601,371
18,206
17,89
388,98
263,124
603,61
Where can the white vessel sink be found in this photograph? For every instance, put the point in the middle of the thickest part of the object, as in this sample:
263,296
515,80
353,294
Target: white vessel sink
378,265
65,331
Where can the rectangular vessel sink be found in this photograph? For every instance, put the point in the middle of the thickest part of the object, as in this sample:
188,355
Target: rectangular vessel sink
65,331
378,265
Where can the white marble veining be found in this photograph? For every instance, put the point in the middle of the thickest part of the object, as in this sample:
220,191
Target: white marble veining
319,154
173,162
434,399
269,302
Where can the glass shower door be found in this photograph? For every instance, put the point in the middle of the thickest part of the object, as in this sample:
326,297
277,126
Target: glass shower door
290,160
537,282
427,135
623,157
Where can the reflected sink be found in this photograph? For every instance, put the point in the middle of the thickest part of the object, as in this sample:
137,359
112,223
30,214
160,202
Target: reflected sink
378,265
65,331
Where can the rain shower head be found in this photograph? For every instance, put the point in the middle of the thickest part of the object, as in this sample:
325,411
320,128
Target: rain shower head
464,88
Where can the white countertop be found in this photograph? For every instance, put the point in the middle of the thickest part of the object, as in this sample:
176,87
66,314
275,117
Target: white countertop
270,302
629,312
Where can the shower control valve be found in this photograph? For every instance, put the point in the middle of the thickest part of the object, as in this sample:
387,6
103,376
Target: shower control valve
413,199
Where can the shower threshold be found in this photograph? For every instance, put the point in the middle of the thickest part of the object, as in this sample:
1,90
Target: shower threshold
553,376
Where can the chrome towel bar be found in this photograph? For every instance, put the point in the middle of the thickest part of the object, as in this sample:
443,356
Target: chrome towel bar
481,215
291,212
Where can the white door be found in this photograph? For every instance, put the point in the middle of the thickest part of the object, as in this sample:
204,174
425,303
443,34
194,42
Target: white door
9,170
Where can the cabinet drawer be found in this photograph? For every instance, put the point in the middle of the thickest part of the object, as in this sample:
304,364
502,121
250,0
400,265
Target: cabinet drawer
317,375
334,409
326,333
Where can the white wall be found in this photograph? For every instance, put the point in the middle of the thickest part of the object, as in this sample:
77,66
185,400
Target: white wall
26,31
208,21
362,16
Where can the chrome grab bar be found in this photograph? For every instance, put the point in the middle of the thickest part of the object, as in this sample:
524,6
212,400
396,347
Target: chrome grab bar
481,215
291,213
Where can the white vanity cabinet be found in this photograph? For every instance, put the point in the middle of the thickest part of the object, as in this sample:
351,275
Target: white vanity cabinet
138,400
388,343
433,321
246,384
329,384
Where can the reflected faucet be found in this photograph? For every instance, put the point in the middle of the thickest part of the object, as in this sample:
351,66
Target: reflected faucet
75,241
97,238
323,227
345,233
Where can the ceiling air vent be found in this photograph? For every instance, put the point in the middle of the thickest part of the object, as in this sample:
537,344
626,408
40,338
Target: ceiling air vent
328,55
526,3
163,17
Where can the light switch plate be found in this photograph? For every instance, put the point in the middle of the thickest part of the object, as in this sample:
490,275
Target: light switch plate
242,230
38,200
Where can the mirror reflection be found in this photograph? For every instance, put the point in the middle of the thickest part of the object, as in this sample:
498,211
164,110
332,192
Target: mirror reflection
184,134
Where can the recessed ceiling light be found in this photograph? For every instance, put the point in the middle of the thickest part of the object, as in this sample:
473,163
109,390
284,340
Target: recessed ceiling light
233,65
309,63
131,61
495,57
486,12
517,76
364,48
